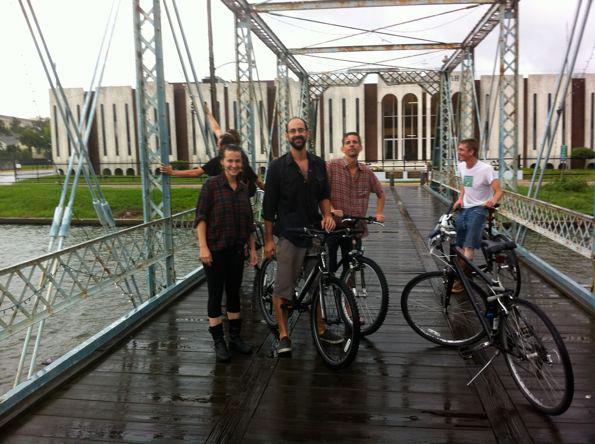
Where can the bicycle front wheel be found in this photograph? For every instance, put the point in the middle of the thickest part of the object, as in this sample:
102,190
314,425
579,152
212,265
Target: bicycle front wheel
365,279
263,290
537,357
434,312
335,323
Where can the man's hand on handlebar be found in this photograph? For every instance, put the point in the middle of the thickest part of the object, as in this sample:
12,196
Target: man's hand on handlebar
269,249
458,204
490,203
328,223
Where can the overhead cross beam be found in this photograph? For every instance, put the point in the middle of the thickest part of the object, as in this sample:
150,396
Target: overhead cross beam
485,25
362,48
338,4
245,13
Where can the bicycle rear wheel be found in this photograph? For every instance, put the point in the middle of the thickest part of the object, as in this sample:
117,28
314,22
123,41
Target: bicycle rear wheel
437,314
507,268
365,279
537,357
263,290
258,236
335,323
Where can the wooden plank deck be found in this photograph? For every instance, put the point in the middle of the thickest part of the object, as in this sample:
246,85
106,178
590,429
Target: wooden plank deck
162,384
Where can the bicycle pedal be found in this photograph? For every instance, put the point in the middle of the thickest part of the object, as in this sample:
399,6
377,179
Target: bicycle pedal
467,352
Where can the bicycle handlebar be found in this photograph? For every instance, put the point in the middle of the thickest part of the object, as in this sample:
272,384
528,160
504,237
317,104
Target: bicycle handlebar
370,220
321,234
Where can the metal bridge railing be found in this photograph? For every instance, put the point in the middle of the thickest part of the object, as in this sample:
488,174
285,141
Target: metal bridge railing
41,288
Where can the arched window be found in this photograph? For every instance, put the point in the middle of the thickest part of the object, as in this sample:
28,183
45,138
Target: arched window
130,172
118,172
107,172
433,112
390,126
410,132
456,97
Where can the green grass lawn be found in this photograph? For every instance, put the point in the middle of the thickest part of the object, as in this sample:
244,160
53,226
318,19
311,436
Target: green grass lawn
39,200
581,201
116,180
587,174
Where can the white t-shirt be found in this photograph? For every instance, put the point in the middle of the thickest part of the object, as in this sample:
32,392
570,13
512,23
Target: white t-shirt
477,182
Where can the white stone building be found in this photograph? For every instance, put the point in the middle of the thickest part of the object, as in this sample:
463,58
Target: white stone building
396,123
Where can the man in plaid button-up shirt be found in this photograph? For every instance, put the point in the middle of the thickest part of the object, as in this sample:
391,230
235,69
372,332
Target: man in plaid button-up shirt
351,184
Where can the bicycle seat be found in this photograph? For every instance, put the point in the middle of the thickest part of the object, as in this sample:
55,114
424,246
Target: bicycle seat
494,247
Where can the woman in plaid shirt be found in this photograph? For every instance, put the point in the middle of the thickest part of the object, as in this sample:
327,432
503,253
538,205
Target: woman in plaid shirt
224,224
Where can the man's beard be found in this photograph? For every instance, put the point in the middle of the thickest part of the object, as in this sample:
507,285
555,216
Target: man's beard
295,139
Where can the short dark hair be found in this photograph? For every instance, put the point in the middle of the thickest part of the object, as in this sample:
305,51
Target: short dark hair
229,147
351,133
471,145
293,118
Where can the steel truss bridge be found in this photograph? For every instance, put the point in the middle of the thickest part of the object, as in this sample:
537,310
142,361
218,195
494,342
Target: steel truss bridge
146,263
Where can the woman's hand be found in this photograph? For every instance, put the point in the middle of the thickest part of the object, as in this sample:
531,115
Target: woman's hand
166,169
205,256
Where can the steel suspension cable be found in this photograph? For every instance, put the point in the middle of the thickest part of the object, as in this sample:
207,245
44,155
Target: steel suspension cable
355,28
204,128
391,26
565,71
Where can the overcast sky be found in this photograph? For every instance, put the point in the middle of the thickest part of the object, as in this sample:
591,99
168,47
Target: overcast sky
74,28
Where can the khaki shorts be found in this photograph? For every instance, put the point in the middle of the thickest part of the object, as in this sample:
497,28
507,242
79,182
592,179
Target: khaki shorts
289,264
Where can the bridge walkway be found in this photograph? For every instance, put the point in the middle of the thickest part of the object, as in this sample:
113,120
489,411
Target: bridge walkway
162,384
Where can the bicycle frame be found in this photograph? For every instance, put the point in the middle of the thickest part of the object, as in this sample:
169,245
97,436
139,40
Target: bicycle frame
497,290
320,269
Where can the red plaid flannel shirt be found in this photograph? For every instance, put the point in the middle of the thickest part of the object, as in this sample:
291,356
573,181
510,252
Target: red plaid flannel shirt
351,194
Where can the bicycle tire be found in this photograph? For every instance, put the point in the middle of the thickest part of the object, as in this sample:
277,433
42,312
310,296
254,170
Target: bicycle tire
423,305
336,298
263,290
370,291
537,342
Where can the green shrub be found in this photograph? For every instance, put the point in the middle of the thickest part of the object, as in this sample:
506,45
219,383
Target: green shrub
583,153
180,165
567,184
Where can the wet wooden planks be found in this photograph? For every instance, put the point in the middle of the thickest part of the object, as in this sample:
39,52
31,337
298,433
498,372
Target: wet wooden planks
162,384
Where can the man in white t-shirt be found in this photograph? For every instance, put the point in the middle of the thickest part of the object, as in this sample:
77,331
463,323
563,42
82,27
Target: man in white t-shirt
479,191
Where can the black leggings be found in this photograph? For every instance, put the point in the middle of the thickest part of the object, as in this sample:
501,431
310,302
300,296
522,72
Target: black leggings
225,272
346,245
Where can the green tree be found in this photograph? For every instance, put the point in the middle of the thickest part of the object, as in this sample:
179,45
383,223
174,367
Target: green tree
37,136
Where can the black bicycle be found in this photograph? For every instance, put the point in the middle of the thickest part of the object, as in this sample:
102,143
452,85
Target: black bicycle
365,279
331,305
532,346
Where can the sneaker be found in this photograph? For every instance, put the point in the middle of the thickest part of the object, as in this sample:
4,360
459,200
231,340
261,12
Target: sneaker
284,346
330,337
457,287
